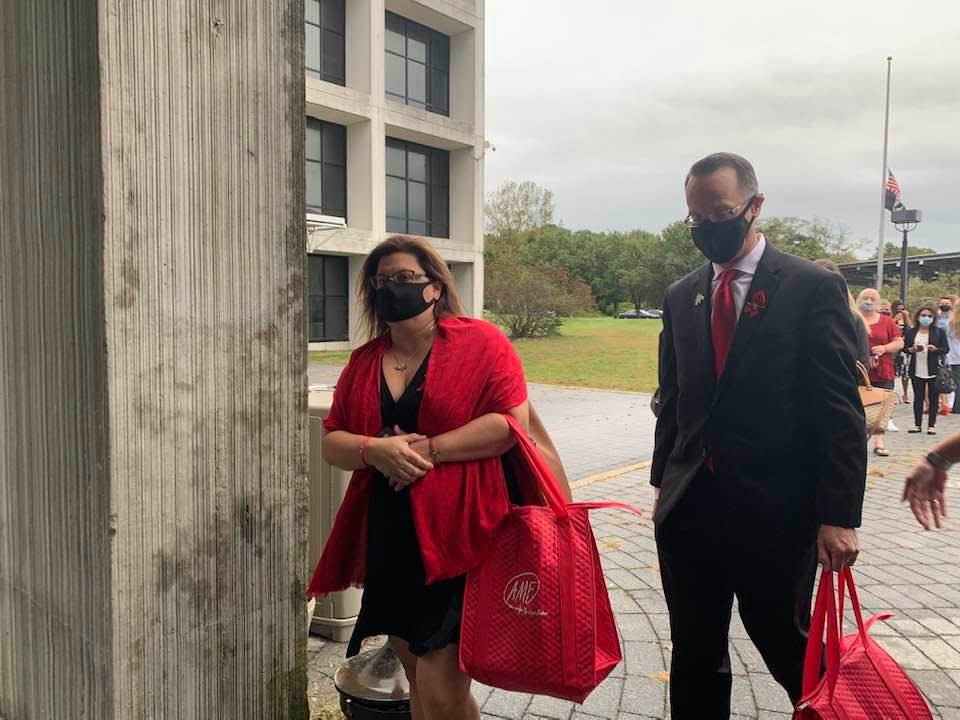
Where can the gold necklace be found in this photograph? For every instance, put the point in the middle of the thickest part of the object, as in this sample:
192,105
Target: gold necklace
402,366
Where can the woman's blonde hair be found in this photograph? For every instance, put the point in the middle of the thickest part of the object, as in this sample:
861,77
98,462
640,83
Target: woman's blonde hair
955,318
830,265
433,265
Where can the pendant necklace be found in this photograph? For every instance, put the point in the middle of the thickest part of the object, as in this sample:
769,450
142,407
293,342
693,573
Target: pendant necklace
402,366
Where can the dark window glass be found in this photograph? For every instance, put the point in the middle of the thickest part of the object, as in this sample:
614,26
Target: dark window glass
396,35
417,189
328,318
396,197
326,168
417,65
396,76
325,52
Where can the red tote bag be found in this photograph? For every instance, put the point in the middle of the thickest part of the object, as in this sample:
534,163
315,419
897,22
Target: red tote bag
536,615
862,681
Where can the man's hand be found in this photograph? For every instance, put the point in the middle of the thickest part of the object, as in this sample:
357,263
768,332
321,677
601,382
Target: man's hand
837,547
656,501
925,491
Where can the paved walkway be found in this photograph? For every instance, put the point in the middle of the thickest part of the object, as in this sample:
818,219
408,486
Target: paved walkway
902,569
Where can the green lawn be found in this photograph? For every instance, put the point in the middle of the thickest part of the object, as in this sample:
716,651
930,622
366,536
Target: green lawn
590,352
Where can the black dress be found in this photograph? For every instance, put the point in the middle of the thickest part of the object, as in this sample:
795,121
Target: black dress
396,600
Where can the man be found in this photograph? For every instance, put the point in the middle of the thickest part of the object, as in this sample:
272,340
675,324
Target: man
760,455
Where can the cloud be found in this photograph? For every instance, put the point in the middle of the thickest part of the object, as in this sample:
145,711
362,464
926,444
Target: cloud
608,103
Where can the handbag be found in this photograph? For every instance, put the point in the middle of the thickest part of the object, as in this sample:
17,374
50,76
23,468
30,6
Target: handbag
946,383
877,403
862,681
536,613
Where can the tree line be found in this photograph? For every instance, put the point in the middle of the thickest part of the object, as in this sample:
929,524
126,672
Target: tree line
538,271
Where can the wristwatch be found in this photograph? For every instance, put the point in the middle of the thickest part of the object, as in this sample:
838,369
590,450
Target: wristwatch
938,461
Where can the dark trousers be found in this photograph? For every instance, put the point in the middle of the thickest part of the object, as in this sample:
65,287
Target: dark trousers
922,386
718,543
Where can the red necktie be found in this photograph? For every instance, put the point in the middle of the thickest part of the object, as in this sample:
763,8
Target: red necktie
723,323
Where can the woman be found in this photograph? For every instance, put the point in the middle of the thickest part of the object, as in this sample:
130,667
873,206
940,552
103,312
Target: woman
419,415
859,324
885,340
953,357
926,344
901,316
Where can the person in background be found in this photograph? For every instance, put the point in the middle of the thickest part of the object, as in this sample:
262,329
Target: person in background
885,340
946,305
953,356
926,344
886,311
926,485
859,324
901,316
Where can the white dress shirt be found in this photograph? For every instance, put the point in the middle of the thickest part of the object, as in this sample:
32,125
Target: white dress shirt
746,268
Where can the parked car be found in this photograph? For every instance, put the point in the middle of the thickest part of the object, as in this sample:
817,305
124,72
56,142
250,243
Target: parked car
634,314
655,313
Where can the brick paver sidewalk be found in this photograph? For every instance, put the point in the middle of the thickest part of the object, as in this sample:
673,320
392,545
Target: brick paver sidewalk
903,570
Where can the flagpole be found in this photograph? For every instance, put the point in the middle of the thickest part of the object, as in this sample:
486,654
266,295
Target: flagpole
883,185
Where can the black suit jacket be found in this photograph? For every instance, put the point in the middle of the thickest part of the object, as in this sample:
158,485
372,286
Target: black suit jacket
785,418
938,337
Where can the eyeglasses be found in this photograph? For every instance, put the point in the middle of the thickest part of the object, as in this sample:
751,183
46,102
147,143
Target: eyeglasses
404,277
692,221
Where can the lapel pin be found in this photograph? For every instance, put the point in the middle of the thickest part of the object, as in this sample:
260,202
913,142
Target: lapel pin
699,299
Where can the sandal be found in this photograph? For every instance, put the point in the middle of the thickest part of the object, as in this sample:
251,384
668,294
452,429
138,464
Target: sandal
881,452
914,429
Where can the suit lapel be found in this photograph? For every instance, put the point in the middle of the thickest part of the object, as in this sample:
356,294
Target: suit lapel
763,288
702,308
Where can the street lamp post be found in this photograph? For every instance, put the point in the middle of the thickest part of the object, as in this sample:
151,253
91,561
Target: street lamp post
906,222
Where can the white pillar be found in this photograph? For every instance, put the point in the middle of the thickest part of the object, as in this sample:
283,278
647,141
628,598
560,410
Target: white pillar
153,497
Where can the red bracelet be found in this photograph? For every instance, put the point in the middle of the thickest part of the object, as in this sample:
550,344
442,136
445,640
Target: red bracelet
363,451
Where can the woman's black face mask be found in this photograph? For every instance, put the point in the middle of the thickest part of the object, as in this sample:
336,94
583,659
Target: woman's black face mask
398,301
721,241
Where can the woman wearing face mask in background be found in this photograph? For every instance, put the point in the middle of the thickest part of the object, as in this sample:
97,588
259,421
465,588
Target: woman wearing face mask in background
901,316
926,344
885,340
419,415
953,356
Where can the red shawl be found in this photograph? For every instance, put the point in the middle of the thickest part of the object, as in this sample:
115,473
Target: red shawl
473,370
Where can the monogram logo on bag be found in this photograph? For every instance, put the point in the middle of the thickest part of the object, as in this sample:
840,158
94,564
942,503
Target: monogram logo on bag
520,592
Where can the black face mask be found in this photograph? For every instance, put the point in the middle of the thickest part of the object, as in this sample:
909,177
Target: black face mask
721,241
397,302
946,308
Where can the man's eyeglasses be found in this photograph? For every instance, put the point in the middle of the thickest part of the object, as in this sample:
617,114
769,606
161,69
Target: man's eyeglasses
695,221
404,277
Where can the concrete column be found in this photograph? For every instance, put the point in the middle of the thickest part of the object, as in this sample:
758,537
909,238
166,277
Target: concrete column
153,498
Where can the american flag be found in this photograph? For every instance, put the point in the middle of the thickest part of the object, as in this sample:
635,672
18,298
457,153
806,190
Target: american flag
893,191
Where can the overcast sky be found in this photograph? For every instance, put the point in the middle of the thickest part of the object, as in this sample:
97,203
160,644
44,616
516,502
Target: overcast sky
608,102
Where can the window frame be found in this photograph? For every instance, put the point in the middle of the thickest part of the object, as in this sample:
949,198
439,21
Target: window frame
323,127
322,73
431,186
429,65
324,296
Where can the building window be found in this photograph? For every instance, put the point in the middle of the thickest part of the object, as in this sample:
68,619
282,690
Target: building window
326,153
327,298
417,65
418,189
325,27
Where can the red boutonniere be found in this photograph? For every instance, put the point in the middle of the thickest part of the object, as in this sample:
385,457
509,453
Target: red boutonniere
756,303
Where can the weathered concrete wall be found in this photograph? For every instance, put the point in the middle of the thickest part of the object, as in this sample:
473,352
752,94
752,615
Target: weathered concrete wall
55,599
186,354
